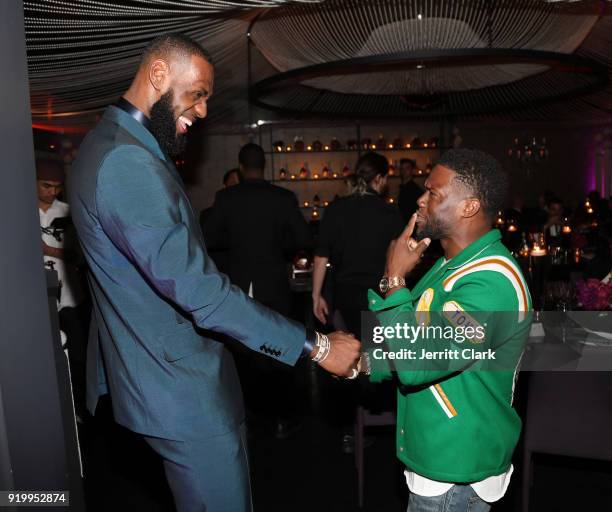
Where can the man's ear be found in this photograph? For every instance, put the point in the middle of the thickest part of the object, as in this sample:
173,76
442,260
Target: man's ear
159,71
471,207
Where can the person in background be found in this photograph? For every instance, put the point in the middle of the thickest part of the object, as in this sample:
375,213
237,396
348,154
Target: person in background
261,227
456,429
554,221
232,177
221,256
409,191
536,217
516,212
60,253
353,236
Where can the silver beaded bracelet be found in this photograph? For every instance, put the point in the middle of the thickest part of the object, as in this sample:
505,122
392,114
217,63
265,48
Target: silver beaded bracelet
323,348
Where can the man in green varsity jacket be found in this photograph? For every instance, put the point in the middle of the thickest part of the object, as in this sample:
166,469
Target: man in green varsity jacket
456,428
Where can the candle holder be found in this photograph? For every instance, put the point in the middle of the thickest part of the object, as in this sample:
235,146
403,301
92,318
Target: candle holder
566,228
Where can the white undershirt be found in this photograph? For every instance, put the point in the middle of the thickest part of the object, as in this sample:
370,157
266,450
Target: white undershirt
490,489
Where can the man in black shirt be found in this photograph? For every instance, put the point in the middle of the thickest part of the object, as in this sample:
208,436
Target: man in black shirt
221,256
261,227
409,190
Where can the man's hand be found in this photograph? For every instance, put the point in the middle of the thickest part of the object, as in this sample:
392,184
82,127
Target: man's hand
343,356
405,252
320,309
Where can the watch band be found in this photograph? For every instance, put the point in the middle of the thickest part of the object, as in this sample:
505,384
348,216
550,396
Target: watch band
396,281
387,283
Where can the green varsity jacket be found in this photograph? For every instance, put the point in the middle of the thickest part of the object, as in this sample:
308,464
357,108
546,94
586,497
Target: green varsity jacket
457,424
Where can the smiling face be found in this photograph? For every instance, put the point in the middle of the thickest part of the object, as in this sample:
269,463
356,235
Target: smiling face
441,206
192,87
188,86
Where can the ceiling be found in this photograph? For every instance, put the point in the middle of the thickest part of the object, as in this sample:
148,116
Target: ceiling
83,53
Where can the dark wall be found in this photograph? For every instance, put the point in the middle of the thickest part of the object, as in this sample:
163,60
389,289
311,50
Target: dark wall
33,445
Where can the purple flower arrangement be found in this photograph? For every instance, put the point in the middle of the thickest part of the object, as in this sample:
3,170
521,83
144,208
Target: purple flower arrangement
594,295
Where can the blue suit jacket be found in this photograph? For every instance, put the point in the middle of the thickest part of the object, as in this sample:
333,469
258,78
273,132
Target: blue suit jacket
152,283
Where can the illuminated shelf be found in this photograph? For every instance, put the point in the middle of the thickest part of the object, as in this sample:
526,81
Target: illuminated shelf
321,180
350,151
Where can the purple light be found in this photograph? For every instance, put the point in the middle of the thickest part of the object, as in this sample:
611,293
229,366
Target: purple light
591,173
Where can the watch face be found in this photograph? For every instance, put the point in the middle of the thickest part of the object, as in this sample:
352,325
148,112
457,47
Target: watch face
384,285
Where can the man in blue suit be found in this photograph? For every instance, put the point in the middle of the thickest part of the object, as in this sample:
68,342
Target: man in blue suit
153,284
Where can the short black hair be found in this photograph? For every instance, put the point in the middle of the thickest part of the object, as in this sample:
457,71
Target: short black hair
252,157
171,45
50,169
227,175
481,174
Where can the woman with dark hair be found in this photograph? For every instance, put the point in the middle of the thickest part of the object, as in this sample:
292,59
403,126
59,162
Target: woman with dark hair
354,235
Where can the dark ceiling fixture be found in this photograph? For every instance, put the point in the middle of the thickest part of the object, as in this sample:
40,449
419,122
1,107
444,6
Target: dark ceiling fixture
564,76
414,59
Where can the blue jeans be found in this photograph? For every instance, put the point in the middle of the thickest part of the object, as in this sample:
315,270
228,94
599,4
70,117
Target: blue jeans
459,498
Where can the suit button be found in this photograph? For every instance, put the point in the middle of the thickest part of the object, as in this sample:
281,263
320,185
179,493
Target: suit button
402,432
401,448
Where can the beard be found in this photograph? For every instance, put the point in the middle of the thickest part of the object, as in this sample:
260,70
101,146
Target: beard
163,126
434,229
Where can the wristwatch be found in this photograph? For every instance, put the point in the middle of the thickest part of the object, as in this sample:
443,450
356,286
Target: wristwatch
387,283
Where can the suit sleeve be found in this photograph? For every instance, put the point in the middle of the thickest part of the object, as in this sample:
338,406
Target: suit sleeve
139,208
489,300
